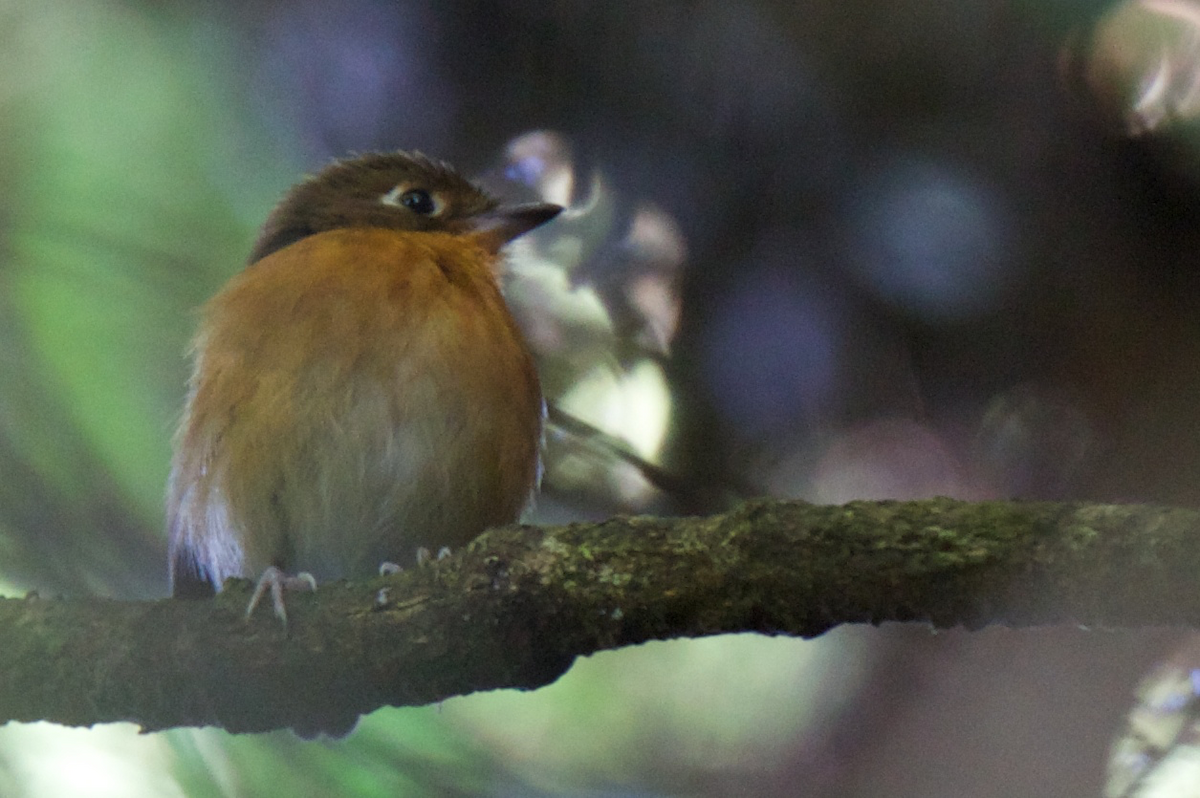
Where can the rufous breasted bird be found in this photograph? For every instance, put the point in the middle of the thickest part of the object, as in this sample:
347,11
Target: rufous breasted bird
360,391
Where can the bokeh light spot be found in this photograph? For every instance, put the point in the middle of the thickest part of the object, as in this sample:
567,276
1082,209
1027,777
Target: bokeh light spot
933,242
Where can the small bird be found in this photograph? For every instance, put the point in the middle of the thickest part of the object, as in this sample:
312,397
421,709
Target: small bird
360,391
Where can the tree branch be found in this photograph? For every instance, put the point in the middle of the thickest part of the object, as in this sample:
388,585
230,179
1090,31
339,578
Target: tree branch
517,606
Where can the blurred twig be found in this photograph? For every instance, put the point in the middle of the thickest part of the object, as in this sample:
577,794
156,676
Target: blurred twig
517,606
683,490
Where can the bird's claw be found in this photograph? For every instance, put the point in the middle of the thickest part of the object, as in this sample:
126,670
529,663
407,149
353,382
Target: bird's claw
424,557
276,581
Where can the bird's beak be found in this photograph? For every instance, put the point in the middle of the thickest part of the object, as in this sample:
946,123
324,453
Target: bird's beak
495,228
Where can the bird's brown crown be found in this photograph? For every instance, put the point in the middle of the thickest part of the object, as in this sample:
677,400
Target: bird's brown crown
401,191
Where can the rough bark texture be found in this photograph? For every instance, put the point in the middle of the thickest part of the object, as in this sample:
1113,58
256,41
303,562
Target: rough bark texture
516,607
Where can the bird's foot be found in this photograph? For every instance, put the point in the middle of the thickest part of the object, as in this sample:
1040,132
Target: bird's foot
424,557
276,581
387,567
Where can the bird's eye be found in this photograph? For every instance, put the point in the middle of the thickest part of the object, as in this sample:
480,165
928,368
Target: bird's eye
419,201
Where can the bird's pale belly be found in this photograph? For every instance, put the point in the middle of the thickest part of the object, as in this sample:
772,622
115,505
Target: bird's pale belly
403,468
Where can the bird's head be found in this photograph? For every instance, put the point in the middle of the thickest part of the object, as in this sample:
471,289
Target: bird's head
399,191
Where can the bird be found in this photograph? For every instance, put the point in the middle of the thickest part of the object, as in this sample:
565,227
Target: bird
360,394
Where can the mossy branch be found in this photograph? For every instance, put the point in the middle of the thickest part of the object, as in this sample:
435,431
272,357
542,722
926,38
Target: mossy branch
521,603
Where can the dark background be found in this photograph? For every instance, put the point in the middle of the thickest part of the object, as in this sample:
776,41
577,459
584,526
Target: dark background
927,249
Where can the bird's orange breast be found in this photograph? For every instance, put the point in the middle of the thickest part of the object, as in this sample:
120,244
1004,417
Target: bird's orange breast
357,394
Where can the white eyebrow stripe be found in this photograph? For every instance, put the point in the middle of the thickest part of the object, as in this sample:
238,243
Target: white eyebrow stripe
393,196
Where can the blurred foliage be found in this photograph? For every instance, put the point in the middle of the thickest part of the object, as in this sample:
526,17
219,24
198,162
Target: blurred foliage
820,250
123,209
